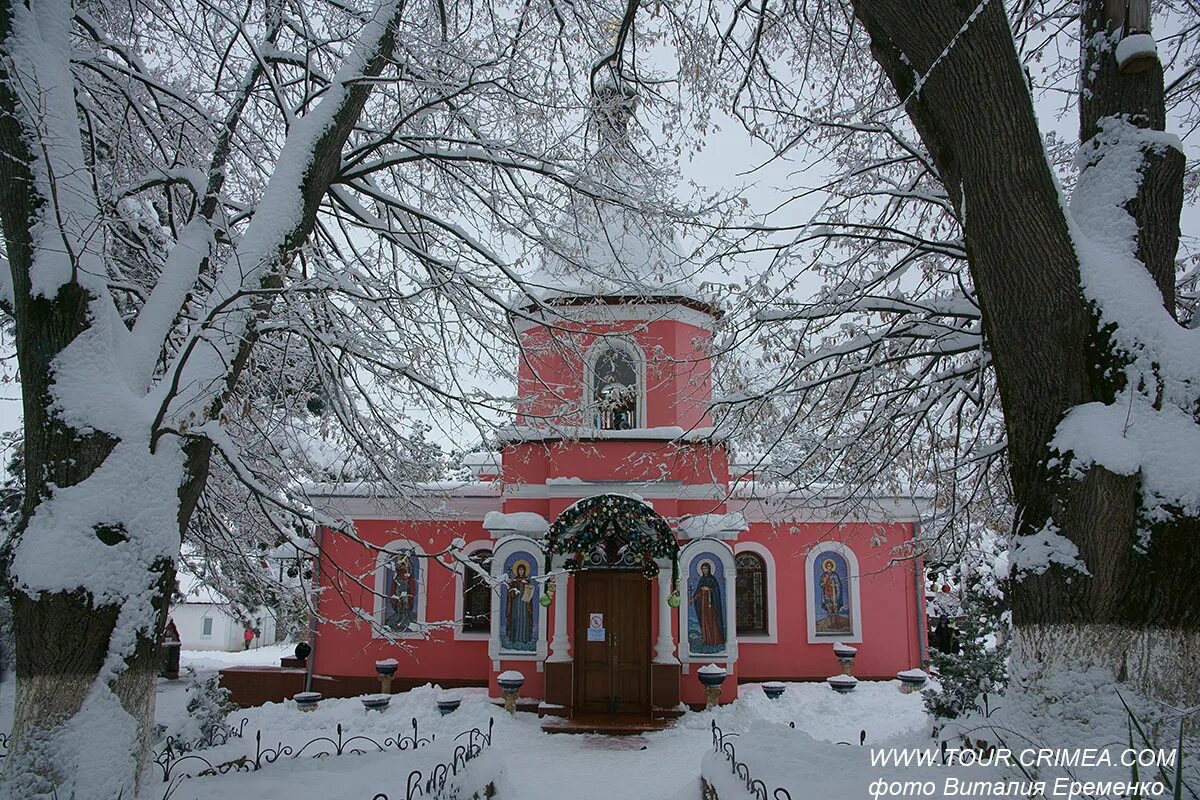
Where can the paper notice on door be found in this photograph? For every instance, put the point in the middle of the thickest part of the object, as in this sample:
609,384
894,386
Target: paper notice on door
595,634
595,631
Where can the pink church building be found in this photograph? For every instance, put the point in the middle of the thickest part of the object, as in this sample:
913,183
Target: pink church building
611,543
611,546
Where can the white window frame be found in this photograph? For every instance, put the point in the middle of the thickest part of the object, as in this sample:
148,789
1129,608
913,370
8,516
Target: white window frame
467,551
378,630
855,595
724,553
209,619
598,348
772,634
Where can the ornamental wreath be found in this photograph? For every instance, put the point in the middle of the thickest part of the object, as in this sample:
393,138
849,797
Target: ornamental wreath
584,526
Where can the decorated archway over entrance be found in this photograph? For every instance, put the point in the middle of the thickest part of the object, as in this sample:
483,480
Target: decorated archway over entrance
614,531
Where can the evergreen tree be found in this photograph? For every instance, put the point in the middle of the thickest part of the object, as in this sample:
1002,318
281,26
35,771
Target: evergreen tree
974,667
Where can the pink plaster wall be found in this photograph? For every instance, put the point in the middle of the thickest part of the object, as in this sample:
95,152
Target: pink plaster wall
678,375
891,638
347,574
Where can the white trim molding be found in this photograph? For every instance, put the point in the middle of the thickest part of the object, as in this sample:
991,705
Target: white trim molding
604,313
503,549
466,551
772,634
378,629
722,552
852,591
579,488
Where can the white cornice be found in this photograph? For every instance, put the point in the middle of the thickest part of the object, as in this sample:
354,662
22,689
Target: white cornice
663,490
618,312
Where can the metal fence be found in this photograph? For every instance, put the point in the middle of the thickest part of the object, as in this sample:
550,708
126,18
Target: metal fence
177,761
723,743
435,783
173,756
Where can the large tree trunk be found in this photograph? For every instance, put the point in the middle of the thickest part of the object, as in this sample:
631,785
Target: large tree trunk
86,673
1134,612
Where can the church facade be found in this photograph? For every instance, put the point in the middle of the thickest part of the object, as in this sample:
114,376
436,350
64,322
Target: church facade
610,545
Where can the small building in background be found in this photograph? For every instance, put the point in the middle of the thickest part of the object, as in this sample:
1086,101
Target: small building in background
207,620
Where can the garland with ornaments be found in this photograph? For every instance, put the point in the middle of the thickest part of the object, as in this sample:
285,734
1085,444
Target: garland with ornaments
590,523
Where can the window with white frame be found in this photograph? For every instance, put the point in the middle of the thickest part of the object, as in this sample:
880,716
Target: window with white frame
616,386
206,626
477,594
751,593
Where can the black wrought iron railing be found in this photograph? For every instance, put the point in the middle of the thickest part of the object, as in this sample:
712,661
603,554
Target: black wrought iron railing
723,743
173,757
434,784
178,762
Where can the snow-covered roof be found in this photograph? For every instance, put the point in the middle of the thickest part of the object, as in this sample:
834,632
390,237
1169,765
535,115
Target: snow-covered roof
194,591
482,464
616,241
712,526
424,489
524,522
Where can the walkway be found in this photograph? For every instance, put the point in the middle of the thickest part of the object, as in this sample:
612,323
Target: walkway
654,766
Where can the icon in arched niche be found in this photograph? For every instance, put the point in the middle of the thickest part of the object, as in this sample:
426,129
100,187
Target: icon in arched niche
706,605
402,575
831,590
519,604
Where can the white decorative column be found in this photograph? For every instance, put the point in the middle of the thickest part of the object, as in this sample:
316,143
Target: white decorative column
560,645
664,648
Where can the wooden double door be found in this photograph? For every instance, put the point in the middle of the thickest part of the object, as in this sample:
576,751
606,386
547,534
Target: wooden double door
612,659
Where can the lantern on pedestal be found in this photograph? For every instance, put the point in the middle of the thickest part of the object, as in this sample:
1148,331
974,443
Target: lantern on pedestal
386,669
510,682
711,677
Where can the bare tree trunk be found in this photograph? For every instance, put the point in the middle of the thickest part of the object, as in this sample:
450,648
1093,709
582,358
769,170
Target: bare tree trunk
85,690
1135,613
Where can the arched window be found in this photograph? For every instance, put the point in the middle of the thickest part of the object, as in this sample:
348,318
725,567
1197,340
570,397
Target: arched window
476,594
615,389
751,588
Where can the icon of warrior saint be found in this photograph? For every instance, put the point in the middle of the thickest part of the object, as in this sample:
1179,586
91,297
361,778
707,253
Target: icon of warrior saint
833,600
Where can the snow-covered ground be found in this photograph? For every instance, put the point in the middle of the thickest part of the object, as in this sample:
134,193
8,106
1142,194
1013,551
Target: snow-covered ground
530,764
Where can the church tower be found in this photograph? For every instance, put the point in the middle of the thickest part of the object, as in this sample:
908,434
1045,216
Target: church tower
615,372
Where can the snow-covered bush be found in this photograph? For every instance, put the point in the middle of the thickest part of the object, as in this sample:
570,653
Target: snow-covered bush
207,706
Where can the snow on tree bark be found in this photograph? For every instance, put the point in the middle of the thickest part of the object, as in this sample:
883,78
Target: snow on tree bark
193,271
1047,311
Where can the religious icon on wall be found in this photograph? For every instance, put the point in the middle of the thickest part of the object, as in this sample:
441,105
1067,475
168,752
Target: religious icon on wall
518,621
400,592
831,585
706,606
